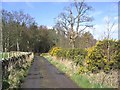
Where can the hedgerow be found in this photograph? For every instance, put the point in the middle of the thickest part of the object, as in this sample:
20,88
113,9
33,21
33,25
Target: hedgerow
76,55
99,63
105,55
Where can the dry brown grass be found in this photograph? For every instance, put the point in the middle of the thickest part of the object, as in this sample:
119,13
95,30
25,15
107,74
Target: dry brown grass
110,79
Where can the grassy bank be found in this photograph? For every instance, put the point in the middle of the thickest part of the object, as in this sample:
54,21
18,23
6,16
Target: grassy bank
79,79
16,75
16,78
3,55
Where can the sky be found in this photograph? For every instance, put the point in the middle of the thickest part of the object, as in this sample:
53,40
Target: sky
46,12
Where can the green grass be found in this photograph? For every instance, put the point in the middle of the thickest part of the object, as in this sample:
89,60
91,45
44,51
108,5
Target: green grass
83,82
80,80
3,55
60,66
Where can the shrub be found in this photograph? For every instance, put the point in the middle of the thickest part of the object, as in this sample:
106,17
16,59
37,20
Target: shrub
79,59
80,56
61,53
54,51
97,58
82,70
116,57
72,53
77,55
105,55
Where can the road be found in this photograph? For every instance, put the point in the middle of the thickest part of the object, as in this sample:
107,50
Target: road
42,74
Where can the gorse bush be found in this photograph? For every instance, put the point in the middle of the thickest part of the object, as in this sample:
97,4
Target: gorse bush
117,54
54,51
72,53
61,53
99,63
103,56
76,55
94,59
82,69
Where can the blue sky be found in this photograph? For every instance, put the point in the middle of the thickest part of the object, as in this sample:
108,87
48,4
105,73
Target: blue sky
45,12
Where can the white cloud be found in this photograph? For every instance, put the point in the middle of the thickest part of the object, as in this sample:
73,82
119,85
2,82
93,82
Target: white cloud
50,27
116,18
100,31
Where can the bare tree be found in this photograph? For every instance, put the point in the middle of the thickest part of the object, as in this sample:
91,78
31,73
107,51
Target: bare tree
109,31
109,28
74,20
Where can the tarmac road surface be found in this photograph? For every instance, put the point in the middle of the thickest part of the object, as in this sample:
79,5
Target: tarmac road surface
42,74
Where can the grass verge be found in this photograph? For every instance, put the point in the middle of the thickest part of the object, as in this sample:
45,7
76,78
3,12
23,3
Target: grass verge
81,80
16,75
3,55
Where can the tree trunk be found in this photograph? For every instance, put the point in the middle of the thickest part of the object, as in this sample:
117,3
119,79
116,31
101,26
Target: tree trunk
17,45
108,51
1,41
73,44
72,40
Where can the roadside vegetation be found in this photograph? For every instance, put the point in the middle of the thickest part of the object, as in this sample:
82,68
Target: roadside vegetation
14,75
3,55
90,67
80,80
6,55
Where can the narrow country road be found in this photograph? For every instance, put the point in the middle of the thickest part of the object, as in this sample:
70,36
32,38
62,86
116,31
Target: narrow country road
42,74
